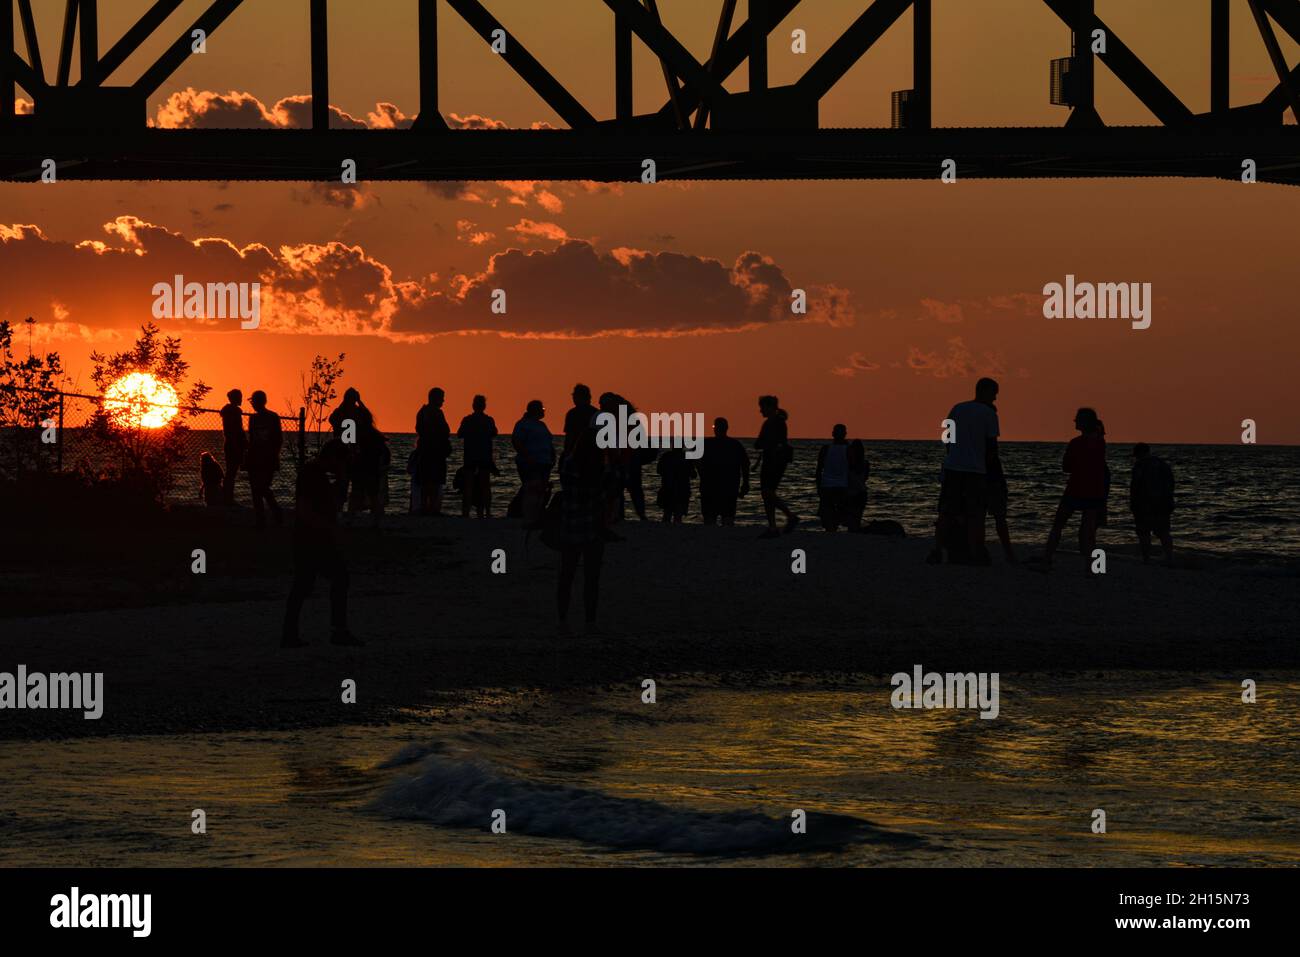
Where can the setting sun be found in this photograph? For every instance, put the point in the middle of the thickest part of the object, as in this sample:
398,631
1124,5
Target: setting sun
140,401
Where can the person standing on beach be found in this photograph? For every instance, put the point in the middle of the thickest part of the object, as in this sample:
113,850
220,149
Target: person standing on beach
675,474
724,475
832,479
315,545
998,498
235,441
859,472
775,453
1151,499
478,430
534,458
581,529
370,468
1085,489
963,494
432,448
349,421
264,441
577,420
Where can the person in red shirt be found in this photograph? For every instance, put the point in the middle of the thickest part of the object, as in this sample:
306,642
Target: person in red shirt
1085,489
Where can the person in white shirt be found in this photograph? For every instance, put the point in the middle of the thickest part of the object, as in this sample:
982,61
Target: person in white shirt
971,437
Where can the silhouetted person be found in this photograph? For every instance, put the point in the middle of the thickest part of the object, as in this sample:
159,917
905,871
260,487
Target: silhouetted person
432,449
1105,499
578,419
775,453
1085,489
859,471
832,479
369,472
582,517
675,474
264,441
235,442
315,545
724,475
213,480
1151,499
478,430
534,458
963,495
620,462
348,421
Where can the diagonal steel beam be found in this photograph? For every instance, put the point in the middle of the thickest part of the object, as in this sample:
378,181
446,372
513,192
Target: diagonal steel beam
1287,15
29,34
1275,54
852,44
670,79
665,46
180,51
24,74
1131,71
65,46
522,62
140,31
734,52
725,17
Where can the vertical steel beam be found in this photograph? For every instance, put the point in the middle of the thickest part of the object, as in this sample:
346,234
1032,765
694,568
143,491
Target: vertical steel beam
8,90
758,19
428,59
623,107
1220,58
89,29
1084,72
922,63
320,67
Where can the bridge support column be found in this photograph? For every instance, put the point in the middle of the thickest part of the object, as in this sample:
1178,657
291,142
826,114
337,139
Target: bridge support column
922,73
623,107
89,30
1083,81
1220,58
758,17
8,90
320,67
428,63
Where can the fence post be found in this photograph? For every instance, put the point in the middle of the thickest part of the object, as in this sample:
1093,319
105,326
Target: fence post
59,454
302,435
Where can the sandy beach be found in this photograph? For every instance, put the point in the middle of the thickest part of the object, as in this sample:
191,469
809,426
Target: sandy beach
183,652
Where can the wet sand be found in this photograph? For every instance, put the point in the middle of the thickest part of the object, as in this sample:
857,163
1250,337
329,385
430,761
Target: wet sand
186,653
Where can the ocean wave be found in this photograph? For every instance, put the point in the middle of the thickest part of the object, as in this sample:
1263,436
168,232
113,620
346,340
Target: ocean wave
464,794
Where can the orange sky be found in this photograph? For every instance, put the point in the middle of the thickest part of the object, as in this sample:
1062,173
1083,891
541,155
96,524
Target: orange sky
931,285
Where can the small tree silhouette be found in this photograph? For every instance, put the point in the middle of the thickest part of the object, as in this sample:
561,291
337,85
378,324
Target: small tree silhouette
318,390
136,454
29,398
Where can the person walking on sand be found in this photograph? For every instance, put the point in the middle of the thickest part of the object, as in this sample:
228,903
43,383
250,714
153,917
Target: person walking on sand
432,449
534,458
264,442
1085,489
831,478
971,436
315,545
478,430
724,475
581,529
235,442
1151,499
775,453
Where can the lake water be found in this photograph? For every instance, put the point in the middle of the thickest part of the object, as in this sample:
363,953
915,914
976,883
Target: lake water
1186,773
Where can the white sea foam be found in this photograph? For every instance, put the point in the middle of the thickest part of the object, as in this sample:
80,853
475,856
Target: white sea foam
463,794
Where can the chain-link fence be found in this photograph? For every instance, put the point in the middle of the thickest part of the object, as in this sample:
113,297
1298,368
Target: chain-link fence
58,432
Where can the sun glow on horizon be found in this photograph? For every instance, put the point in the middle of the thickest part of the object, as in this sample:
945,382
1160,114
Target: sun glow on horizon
141,401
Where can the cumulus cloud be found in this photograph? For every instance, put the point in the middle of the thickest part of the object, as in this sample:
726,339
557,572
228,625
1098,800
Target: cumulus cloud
954,361
527,230
856,364
571,290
